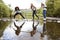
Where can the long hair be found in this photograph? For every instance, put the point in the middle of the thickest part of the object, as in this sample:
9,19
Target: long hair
31,5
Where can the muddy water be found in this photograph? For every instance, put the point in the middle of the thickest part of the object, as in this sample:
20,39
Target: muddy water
53,30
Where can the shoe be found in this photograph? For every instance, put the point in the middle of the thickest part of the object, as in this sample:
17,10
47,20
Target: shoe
44,19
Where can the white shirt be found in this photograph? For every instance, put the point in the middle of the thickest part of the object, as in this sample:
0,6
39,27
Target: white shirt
18,11
44,9
33,8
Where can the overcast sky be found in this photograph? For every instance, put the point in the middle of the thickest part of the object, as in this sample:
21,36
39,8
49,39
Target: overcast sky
24,4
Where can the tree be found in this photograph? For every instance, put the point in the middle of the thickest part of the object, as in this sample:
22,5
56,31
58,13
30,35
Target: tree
52,7
4,10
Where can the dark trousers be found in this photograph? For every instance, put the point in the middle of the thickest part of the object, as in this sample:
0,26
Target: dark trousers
44,13
19,14
34,13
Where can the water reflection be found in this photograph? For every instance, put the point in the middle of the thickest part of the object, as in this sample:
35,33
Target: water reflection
44,27
9,33
34,28
44,35
53,30
3,25
17,32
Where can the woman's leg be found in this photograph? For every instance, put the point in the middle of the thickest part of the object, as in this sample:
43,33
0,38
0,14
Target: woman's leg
33,15
15,15
22,16
36,15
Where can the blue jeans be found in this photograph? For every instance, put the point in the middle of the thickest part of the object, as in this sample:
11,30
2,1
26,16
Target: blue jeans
44,13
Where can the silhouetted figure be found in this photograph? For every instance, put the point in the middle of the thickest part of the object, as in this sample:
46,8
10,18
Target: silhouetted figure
44,29
34,29
18,28
17,11
34,11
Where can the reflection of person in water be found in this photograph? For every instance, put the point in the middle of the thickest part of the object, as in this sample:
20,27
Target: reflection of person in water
44,29
18,28
34,29
34,11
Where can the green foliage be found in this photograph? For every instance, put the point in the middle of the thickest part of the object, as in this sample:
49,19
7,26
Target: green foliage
52,7
57,13
39,11
1,1
4,10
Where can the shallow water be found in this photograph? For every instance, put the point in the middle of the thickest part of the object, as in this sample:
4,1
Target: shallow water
52,28
9,33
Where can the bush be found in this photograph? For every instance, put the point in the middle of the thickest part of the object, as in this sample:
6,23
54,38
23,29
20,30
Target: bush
4,10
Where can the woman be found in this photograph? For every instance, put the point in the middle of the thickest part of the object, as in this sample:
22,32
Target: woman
17,11
44,10
34,11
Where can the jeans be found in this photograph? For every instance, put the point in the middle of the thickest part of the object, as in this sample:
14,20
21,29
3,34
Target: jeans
44,13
